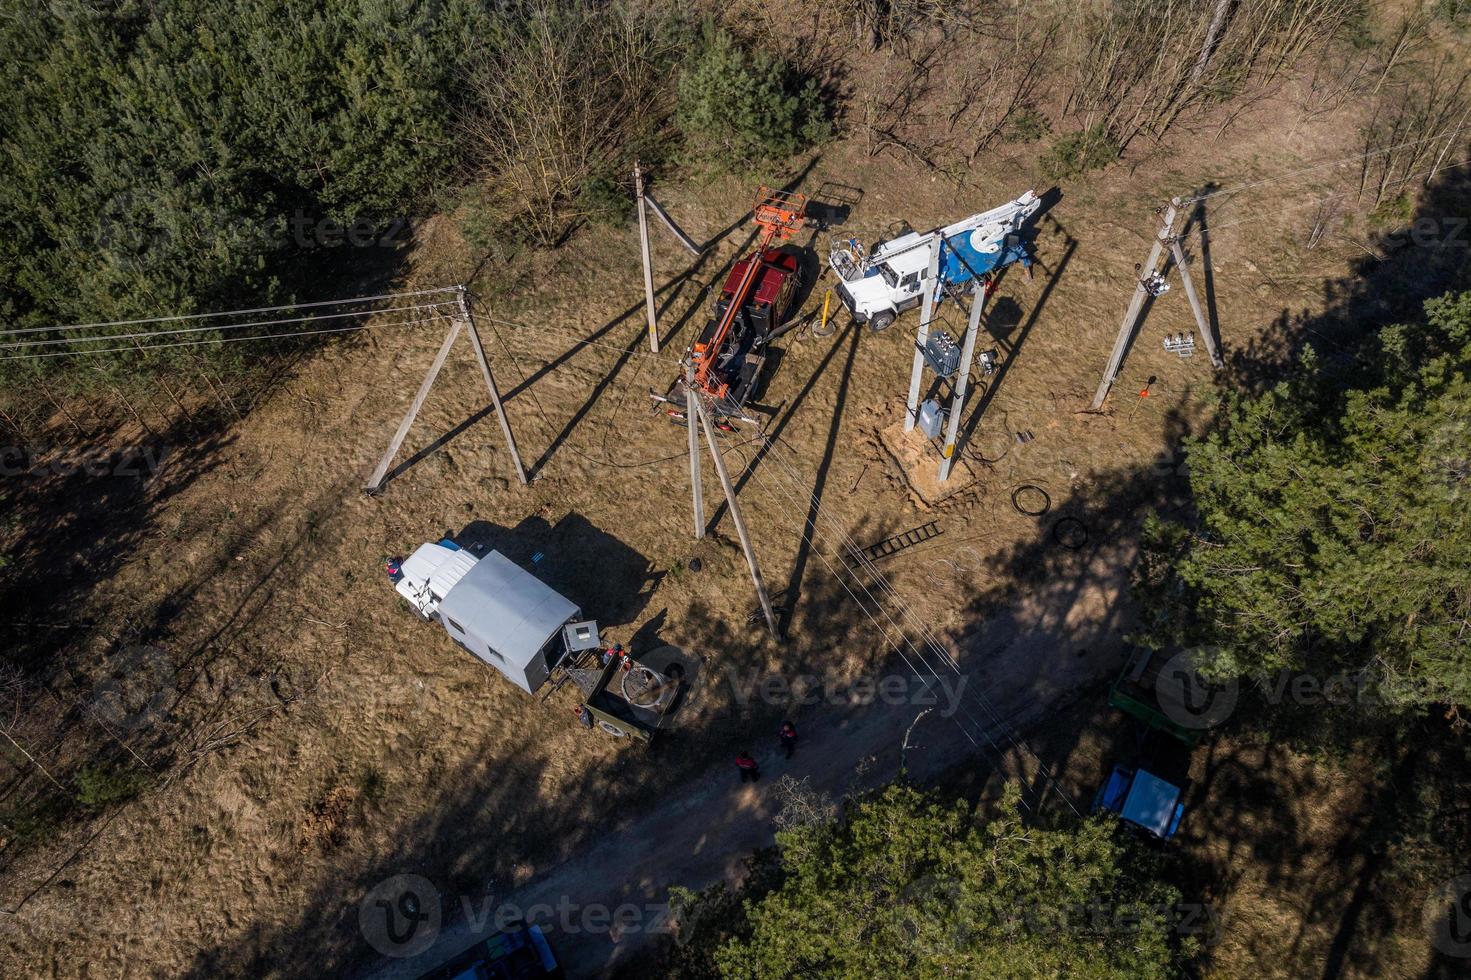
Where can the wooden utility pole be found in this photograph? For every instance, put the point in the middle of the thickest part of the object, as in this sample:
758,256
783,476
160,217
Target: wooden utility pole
495,394
691,417
463,322
643,243
922,336
1200,319
1141,290
957,403
735,516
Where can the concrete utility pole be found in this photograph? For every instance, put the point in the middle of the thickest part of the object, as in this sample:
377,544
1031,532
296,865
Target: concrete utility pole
674,229
643,243
375,482
463,322
957,402
735,517
495,395
1200,320
1218,20
1126,328
922,336
691,417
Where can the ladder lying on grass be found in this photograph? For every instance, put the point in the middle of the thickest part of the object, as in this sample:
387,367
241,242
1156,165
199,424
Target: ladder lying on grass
899,542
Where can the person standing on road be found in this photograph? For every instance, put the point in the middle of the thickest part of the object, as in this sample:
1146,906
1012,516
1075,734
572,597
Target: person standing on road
788,738
747,766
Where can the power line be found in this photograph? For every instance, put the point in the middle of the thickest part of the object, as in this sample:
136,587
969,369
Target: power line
931,641
1323,166
216,327
258,309
222,340
541,410
583,342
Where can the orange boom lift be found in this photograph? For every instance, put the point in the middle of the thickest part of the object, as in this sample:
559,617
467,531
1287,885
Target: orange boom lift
726,358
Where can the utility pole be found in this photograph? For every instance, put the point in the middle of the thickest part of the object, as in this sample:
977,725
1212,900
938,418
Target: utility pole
692,415
464,321
1195,307
495,395
957,402
643,242
1141,290
735,516
1218,20
922,336
375,482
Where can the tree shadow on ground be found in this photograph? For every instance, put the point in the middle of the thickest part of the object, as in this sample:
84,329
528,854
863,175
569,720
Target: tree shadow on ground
1406,264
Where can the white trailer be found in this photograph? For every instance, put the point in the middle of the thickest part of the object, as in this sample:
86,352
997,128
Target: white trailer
495,609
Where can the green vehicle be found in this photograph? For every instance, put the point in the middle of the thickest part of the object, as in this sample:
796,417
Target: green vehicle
1138,692
629,699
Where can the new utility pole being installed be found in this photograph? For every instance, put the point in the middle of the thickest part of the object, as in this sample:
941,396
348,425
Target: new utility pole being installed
697,413
1148,277
464,321
922,336
957,402
643,244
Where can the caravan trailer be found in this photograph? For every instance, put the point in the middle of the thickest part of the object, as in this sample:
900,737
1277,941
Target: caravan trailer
495,609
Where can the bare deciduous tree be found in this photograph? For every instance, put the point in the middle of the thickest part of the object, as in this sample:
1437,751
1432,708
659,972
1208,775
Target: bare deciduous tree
1414,122
559,92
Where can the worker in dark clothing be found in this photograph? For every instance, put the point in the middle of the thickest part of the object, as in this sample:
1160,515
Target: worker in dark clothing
615,652
747,765
788,737
584,717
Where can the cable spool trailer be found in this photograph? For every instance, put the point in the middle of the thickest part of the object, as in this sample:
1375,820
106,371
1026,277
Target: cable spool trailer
627,699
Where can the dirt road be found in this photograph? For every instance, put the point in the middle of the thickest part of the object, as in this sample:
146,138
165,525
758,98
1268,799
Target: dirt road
1013,671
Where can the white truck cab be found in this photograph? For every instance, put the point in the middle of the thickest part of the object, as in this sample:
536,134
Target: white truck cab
880,283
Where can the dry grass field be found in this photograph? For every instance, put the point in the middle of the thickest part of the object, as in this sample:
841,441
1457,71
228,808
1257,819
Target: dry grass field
329,739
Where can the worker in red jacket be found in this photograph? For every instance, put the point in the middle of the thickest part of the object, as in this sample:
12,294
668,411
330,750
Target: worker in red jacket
787,735
747,766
